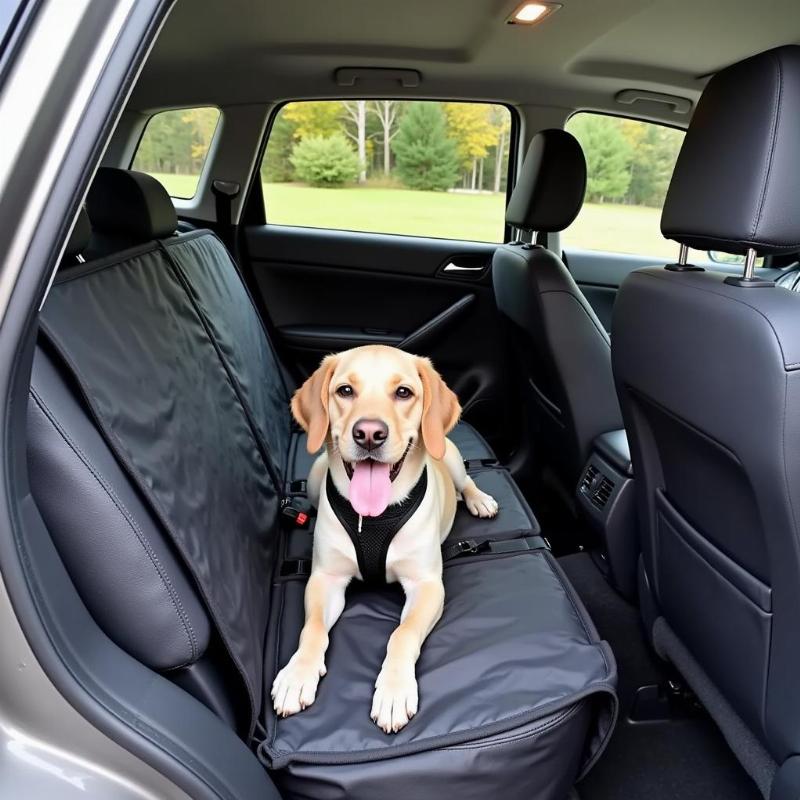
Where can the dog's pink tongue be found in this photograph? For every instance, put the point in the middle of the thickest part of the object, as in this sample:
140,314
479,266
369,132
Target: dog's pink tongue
370,488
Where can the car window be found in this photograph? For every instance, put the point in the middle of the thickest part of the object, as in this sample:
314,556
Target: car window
629,164
420,168
174,146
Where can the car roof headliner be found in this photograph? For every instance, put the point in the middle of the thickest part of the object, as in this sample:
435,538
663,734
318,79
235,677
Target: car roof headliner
241,51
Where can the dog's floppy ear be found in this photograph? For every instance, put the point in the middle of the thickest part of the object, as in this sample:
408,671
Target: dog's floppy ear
310,404
440,408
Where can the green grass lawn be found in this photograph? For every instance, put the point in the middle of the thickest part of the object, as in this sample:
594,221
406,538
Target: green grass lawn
448,215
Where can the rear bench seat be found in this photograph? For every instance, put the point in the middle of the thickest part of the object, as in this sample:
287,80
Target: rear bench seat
161,450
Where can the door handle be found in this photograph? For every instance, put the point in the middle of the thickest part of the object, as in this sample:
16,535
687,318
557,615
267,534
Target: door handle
452,267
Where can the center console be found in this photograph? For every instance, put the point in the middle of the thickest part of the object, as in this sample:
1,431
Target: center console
605,497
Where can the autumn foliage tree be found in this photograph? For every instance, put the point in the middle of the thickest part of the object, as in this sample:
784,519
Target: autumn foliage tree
471,126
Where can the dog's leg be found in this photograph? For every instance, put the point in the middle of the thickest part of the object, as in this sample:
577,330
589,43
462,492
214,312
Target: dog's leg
395,700
295,686
478,503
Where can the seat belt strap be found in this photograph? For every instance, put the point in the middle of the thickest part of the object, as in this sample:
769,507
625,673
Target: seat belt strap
225,192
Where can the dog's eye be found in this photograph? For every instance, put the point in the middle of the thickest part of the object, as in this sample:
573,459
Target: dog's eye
403,393
345,390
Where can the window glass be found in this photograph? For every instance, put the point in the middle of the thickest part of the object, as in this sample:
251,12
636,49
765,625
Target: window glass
421,168
629,165
174,146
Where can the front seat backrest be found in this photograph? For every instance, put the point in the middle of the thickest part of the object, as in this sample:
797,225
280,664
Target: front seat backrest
562,351
708,371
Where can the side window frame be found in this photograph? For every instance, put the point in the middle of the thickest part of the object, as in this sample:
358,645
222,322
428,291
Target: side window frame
629,118
208,158
254,208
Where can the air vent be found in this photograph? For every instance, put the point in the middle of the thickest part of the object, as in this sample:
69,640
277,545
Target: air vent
596,486
600,497
589,476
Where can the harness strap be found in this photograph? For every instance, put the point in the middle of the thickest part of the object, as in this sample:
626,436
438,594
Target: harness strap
371,536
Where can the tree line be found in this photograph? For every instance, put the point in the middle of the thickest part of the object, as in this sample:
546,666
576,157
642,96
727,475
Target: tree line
176,142
627,161
422,144
426,145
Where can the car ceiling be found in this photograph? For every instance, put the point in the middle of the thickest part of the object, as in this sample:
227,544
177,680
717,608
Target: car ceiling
243,51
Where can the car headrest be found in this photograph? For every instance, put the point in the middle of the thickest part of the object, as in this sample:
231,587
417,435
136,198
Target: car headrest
736,183
131,205
79,238
551,184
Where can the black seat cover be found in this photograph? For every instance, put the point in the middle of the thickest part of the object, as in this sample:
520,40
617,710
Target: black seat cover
160,453
709,379
562,351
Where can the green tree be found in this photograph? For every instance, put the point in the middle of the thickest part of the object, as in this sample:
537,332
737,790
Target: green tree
654,150
325,161
177,141
426,158
608,156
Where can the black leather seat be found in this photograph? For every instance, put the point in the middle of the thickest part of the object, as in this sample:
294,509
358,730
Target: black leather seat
708,371
561,348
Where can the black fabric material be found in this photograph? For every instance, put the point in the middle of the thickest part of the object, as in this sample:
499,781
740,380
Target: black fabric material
563,353
79,238
481,685
167,405
552,182
371,536
127,575
130,205
713,418
730,192
210,278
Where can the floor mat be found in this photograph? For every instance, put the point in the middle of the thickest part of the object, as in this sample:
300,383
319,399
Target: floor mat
684,759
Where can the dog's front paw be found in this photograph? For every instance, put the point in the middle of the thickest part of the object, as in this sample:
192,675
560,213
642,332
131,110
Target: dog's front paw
295,686
395,700
480,504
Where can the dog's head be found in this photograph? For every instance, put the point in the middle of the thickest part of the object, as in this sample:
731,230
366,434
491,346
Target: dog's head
374,404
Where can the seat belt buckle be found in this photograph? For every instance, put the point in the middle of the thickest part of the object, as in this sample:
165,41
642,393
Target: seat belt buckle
294,517
471,547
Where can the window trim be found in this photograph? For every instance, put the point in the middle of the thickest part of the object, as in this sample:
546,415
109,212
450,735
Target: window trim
217,127
254,209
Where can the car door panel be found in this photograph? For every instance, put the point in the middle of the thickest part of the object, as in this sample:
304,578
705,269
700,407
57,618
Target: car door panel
328,290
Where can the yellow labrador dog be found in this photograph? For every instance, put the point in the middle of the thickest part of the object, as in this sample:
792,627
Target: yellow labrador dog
383,415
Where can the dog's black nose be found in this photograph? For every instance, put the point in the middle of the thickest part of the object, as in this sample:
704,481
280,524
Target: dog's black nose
370,433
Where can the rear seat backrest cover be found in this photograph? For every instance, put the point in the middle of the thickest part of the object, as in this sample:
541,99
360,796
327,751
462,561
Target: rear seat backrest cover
171,408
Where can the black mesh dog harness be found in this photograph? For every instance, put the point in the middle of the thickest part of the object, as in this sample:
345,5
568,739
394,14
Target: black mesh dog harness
371,536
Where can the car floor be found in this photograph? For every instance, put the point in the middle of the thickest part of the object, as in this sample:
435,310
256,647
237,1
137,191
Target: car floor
679,759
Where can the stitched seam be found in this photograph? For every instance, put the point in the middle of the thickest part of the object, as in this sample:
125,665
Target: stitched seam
533,733
768,166
177,605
